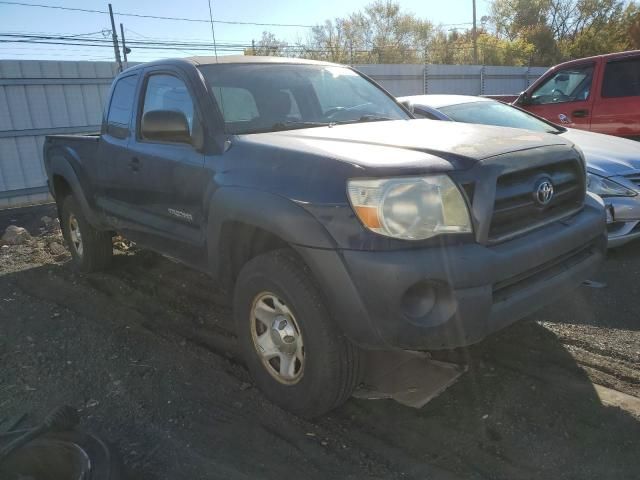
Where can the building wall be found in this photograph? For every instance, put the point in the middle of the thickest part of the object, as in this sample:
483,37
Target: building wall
39,98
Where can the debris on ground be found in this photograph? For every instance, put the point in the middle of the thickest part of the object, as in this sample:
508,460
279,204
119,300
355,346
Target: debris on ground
15,235
57,248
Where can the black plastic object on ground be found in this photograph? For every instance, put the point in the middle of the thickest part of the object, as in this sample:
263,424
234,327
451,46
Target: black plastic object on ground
68,455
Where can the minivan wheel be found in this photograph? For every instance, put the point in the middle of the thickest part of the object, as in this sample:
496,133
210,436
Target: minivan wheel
91,249
294,351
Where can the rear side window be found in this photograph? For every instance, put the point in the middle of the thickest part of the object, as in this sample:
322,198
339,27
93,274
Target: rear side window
622,79
122,101
166,92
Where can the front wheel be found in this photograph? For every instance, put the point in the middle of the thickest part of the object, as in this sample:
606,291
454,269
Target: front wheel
291,345
91,249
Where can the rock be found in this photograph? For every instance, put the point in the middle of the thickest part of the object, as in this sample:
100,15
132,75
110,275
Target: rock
57,249
47,221
14,235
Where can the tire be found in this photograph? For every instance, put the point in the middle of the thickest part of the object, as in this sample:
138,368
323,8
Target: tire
95,250
331,364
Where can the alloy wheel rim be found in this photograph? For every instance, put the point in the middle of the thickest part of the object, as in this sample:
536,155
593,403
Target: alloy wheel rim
277,338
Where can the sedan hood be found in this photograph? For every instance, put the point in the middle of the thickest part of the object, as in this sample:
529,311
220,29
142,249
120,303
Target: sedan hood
389,143
606,155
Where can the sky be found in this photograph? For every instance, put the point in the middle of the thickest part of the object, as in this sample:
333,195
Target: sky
23,19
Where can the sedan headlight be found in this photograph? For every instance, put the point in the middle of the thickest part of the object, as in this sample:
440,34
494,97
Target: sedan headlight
410,208
606,187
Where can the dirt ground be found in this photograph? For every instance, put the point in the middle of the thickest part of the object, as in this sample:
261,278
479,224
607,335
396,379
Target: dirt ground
149,358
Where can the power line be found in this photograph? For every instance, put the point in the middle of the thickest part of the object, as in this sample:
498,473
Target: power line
157,17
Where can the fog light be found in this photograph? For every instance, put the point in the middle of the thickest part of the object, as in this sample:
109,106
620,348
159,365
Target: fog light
419,300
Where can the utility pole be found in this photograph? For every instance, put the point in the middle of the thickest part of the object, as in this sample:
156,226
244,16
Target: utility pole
124,47
475,36
114,36
351,52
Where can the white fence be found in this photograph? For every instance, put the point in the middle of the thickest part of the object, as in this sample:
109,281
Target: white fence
39,98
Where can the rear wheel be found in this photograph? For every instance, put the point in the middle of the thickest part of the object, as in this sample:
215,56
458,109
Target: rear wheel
91,249
291,345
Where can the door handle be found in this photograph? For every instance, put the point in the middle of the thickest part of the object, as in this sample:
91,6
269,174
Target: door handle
580,113
134,164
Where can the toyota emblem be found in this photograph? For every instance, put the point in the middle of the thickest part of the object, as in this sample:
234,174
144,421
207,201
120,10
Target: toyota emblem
543,192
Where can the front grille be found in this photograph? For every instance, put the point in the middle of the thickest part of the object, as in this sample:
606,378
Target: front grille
515,208
634,178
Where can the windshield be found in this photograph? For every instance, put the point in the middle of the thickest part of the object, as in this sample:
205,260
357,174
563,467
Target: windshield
257,98
498,114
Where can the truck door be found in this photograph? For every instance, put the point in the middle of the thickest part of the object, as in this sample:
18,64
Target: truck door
616,110
565,97
167,178
110,166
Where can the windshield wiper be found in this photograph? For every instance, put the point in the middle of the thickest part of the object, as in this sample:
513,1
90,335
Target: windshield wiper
365,118
293,124
282,126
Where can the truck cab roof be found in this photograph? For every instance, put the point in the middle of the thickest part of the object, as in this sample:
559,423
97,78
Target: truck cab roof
230,59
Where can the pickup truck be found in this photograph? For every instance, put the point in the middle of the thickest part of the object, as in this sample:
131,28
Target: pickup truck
600,94
335,221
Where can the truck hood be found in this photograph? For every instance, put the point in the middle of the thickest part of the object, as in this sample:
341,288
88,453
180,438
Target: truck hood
606,155
390,143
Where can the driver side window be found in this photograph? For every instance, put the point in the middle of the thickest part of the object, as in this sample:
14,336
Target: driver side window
568,85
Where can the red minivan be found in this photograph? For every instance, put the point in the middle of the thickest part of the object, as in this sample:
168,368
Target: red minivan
601,94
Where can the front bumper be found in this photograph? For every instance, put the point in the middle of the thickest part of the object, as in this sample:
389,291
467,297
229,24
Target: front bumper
623,220
447,297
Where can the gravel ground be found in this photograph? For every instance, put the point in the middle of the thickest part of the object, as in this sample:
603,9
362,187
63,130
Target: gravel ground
149,358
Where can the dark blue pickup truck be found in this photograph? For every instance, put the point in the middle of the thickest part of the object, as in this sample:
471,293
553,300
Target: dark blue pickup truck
335,221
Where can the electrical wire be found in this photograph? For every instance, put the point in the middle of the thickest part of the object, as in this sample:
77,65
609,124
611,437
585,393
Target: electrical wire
157,17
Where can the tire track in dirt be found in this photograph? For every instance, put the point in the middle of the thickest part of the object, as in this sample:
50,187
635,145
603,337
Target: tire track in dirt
109,300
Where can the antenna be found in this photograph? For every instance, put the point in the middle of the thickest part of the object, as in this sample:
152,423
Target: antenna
213,33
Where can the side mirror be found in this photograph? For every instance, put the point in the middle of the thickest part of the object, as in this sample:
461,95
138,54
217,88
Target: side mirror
523,99
165,126
407,104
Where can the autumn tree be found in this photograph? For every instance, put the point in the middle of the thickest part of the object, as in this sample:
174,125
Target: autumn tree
562,29
380,33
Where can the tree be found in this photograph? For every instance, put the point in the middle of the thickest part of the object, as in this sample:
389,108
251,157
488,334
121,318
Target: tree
268,45
562,29
381,33
518,32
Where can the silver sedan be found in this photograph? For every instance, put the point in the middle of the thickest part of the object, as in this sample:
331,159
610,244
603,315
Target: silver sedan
613,163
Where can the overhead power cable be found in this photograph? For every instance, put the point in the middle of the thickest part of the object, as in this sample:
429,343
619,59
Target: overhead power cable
157,17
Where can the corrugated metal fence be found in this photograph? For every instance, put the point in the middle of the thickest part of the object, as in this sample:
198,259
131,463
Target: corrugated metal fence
39,98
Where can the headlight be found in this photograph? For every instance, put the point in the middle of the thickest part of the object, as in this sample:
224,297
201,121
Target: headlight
606,187
411,208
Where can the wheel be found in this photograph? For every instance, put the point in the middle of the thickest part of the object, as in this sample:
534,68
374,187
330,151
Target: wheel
291,345
91,249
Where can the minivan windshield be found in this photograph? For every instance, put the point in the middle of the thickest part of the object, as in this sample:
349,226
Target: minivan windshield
255,98
498,114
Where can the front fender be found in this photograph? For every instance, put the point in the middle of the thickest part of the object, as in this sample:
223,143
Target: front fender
277,215
297,227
